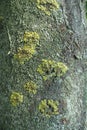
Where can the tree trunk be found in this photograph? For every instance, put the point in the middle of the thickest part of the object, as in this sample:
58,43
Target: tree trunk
62,38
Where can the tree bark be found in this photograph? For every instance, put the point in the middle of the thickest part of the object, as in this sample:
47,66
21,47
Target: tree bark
62,39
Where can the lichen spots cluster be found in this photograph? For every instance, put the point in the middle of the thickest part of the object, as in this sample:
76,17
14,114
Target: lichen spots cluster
51,68
31,37
16,98
47,6
24,53
31,40
48,107
31,87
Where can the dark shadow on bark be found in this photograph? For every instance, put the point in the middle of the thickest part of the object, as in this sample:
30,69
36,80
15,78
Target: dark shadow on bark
5,68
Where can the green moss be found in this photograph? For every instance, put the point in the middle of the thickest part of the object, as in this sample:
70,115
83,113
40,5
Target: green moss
31,87
24,53
48,107
50,68
47,5
16,98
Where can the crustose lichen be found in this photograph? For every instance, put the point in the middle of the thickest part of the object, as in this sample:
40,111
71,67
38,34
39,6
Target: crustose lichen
49,107
24,53
30,39
31,87
51,68
47,5
16,98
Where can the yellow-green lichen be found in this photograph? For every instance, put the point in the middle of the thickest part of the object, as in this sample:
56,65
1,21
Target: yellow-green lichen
48,107
24,53
31,87
16,98
47,5
31,38
50,68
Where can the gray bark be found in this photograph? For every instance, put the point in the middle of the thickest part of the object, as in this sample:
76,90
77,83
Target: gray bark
62,38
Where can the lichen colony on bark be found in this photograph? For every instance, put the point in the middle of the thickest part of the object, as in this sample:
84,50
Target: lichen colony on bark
47,52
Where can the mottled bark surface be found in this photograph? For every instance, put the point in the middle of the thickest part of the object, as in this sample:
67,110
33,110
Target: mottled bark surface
62,38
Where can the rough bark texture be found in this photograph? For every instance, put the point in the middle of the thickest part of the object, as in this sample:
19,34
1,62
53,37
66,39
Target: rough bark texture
62,38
